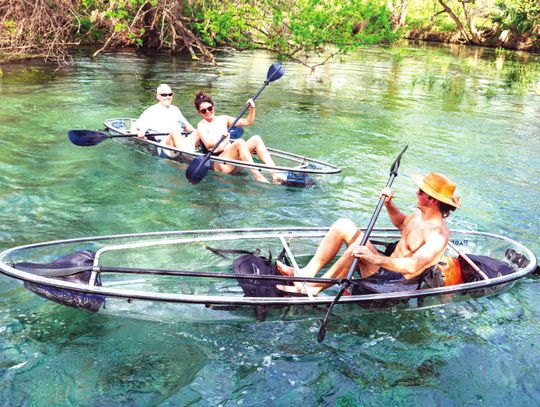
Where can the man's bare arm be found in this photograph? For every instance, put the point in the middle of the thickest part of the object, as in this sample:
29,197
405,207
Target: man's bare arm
398,218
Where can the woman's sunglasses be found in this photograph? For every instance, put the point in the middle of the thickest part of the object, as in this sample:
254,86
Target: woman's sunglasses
164,95
209,109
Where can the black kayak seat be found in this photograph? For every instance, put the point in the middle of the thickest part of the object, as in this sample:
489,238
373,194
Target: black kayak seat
75,267
68,265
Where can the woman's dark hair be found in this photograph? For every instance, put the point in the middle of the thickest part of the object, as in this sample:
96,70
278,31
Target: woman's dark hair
201,98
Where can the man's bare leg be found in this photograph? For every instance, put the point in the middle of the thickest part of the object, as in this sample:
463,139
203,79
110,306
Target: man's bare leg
173,140
342,231
180,141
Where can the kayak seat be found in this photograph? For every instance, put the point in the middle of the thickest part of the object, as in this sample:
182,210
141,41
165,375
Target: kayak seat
75,267
247,268
118,124
367,286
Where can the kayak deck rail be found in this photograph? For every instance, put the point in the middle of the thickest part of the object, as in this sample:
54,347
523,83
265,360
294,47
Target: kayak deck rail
282,234
307,165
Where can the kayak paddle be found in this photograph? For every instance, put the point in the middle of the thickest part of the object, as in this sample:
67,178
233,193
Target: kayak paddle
346,282
198,168
86,138
236,132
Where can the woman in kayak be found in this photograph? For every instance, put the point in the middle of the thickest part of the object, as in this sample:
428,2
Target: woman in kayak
212,127
164,117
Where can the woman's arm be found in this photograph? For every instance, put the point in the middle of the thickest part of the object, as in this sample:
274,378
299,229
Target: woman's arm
248,121
202,134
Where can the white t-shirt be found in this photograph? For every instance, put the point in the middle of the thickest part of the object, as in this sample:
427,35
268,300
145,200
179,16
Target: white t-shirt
161,119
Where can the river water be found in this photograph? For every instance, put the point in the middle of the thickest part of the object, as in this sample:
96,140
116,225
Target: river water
472,114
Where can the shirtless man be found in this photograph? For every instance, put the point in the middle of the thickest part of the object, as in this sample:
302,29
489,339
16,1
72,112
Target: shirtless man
424,236
212,127
164,117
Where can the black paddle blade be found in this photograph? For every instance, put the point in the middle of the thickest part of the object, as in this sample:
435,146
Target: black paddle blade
322,333
198,169
275,72
85,138
324,325
236,132
395,166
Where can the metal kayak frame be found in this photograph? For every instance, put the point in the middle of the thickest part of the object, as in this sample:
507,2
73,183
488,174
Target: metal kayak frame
303,165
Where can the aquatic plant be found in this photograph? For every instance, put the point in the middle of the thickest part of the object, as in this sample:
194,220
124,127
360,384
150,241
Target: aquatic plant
519,78
491,91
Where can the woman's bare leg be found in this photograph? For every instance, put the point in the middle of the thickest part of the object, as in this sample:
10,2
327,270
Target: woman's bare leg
256,145
239,151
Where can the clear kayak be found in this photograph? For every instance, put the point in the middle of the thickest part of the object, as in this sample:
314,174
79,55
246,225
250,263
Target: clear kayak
300,170
188,275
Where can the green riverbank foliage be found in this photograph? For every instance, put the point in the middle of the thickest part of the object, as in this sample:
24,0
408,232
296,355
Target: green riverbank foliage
510,24
294,29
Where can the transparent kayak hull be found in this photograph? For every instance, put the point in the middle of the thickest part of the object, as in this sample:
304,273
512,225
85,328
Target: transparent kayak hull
174,275
294,165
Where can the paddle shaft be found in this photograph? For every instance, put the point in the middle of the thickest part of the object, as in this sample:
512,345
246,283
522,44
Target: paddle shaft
246,107
244,110
199,167
371,225
469,261
86,138
347,281
136,135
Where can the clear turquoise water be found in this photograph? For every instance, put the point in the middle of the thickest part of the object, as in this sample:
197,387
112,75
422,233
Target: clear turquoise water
472,114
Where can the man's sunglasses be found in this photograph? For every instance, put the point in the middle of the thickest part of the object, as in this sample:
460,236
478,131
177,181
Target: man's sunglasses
208,109
164,95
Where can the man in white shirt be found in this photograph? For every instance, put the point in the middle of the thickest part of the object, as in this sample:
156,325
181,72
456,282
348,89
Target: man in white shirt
164,117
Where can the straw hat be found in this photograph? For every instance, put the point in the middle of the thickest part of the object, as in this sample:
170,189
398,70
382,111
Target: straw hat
439,187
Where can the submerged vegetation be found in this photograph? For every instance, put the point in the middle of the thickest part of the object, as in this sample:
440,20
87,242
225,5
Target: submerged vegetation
295,29
501,73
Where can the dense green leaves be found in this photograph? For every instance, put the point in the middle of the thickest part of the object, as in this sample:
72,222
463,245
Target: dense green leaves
520,16
294,28
306,31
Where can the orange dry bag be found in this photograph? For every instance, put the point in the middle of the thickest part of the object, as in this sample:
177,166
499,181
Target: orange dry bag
452,274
